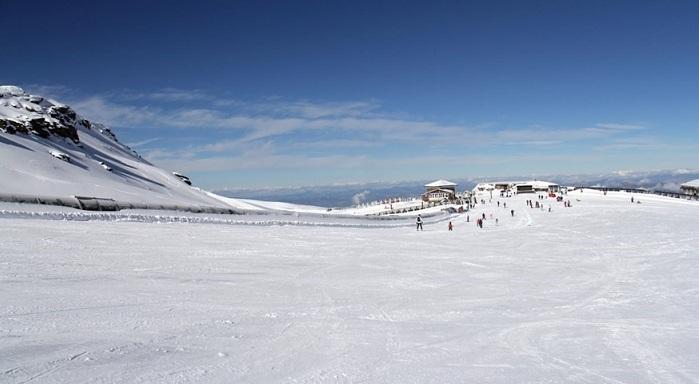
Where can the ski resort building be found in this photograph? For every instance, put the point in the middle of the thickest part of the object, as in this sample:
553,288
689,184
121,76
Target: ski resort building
439,190
518,186
537,186
482,187
690,187
505,185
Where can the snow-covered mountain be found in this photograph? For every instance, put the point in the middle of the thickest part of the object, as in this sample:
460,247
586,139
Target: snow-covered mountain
47,149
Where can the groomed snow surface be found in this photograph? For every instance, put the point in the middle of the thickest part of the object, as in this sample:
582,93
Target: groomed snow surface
603,292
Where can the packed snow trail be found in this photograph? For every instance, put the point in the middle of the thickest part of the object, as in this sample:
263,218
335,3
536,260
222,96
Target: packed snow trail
602,292
301,219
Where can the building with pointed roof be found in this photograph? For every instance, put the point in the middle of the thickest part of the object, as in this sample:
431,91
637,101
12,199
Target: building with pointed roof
439,190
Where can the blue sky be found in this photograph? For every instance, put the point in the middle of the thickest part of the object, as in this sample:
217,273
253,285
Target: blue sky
310,93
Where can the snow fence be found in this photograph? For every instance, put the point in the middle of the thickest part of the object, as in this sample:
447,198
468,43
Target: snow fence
90,203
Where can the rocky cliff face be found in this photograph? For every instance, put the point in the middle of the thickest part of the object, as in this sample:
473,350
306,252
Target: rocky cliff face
23,113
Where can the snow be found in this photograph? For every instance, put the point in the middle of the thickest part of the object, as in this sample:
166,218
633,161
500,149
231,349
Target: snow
28,165
602,292
11,90
441,183
538,184
692,183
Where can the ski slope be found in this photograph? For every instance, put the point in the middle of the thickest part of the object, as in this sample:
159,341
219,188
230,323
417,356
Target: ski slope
602,292
96,164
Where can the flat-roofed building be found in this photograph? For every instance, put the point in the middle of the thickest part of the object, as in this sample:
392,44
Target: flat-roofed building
690,187
537,186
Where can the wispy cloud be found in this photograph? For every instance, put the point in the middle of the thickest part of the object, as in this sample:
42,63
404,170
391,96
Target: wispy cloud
52,91
316,110
279,119
102,110
253,121
618,127
631,143
201,132
166,95
142,143
552,136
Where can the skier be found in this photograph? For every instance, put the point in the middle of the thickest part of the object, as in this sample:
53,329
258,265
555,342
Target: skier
419,223
512,212
450,226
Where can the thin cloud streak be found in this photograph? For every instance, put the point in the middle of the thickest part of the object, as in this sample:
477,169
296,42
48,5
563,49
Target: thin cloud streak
302,135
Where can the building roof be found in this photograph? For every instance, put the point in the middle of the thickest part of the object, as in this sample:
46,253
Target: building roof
539,184
441,183
692,183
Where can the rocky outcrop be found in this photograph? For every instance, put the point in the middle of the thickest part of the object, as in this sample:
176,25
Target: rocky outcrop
22,113
10,126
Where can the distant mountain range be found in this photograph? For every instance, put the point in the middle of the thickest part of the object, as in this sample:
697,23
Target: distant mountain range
351,194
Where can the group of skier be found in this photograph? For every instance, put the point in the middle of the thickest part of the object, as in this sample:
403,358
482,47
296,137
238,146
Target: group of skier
481,219
450,226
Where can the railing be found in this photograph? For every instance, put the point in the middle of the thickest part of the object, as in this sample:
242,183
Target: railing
677,195
416,208
103,204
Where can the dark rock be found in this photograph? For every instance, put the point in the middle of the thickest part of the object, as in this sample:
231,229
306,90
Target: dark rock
15,127
39,126
108,132
62,112
43,128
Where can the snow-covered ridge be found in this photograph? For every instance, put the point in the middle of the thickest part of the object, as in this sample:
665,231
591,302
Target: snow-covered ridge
48,149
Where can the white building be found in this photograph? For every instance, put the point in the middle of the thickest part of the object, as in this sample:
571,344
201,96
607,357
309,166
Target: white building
537,186
690,187
483,187
518,186
439,190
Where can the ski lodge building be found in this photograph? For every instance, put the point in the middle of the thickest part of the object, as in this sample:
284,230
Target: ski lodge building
519,186
537,186
690,188
439,190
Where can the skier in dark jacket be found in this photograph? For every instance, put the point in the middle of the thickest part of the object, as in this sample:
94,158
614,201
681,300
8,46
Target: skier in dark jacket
419,223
